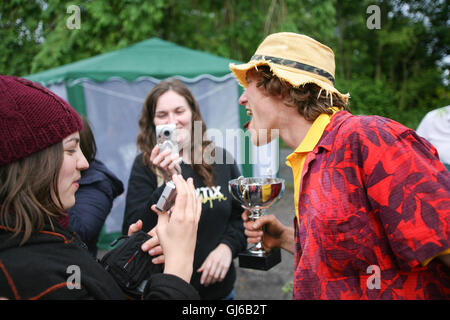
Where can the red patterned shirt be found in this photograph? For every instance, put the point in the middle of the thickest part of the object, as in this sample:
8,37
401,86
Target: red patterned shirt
374,205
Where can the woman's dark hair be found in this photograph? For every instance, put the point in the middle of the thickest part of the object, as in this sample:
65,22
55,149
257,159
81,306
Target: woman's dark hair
29,192
87,141
146,139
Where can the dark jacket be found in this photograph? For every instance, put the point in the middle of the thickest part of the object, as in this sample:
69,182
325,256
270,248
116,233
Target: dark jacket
48,264
94,199
220,221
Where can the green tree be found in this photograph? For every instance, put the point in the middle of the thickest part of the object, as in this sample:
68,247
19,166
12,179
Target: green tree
395,71
395,66
105,26
20,35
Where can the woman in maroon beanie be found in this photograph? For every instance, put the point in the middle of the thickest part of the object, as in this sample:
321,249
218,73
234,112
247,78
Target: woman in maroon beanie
40,165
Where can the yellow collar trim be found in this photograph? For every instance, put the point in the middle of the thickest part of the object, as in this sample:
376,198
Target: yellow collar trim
314,133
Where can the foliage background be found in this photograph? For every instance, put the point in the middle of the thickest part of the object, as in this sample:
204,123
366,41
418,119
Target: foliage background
399,71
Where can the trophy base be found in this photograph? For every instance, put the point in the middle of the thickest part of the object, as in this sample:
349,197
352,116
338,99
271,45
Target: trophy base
264,261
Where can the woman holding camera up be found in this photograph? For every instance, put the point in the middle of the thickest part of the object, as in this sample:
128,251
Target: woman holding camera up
220,235
40,168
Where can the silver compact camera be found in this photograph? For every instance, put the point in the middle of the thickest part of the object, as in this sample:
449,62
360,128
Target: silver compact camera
166,137
167,198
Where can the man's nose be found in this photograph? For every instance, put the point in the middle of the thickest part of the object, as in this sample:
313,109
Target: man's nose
243,98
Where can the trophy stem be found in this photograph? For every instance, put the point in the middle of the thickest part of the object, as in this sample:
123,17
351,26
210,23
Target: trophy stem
255,214
258,248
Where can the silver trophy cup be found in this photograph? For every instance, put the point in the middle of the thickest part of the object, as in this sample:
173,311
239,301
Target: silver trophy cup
257,194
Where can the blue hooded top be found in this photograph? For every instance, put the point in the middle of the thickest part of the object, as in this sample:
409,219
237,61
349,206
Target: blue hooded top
93,202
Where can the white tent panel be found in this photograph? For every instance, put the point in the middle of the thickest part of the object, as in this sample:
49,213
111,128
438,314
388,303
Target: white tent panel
59,89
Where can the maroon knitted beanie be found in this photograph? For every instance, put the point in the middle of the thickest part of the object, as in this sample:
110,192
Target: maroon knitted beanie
31,118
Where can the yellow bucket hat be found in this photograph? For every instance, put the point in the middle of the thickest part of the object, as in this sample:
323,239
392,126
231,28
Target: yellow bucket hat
294,58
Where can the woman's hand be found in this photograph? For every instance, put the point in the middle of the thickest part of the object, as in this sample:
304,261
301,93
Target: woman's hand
177,232
216,265
168,163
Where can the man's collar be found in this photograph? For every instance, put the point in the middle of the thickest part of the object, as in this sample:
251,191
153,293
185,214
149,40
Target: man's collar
315,132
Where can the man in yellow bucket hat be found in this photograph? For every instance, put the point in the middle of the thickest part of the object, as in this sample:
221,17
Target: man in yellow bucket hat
372,199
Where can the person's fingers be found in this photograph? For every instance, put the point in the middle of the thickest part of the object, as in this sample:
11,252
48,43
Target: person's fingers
253,236
254,240
175,158
159,259
163,219
196,200
153,247
186,202
255,225
212,270
156,251
155,210
261,221
203,278
164,164
174,167
205,273
192,200
244,216
181,200
160,157
251,226
135,227
198,208
253,233
149,244
154,153
223,273
152,232
216,276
